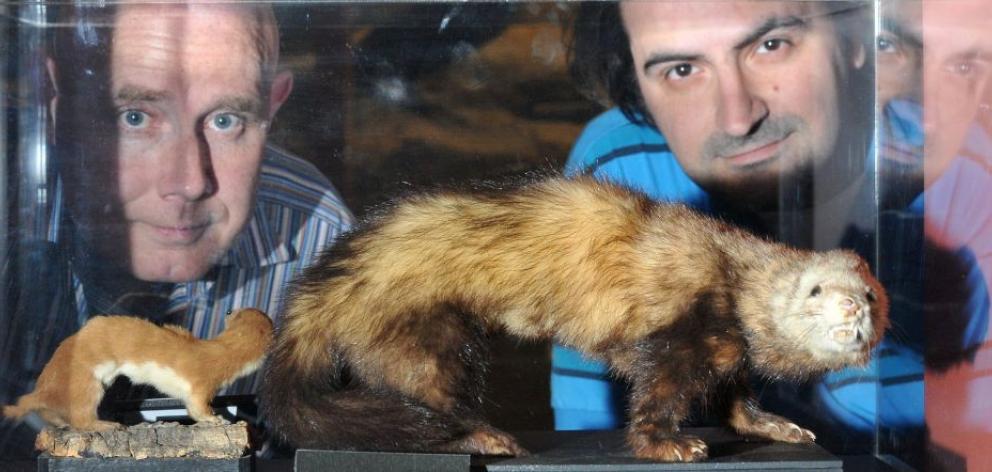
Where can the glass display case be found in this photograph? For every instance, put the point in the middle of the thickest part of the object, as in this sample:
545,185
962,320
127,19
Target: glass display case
177,161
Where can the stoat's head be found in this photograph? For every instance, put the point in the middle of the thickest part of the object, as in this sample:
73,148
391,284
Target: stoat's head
836,311
249,323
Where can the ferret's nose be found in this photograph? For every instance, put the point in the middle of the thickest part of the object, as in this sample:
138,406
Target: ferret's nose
849,307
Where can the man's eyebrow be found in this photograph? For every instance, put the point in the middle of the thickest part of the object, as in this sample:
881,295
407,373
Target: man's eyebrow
661,58
129,93
247,105
769,25
912,38
772,24
974,53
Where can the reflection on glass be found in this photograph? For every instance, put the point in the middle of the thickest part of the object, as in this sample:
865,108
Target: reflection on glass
190,143
933,69
942,52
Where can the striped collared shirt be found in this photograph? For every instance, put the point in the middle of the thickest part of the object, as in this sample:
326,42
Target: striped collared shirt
297,213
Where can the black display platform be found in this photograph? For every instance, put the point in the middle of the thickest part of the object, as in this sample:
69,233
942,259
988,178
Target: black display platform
308,460
567,451
606,451
121,464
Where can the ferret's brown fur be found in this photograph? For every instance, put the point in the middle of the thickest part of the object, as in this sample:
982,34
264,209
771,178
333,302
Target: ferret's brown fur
382,345
168,358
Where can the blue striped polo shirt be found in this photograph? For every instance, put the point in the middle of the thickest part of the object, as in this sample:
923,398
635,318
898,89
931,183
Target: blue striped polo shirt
583,396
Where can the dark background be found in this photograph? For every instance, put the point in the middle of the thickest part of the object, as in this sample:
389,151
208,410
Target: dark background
391,98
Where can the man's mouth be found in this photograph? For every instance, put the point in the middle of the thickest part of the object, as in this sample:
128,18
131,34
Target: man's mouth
902,154
755,155
180,234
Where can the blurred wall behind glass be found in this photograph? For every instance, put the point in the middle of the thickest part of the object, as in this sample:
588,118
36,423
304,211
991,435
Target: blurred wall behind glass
394,97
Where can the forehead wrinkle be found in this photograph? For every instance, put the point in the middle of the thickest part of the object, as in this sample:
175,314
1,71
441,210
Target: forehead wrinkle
244,32
180,51
146,58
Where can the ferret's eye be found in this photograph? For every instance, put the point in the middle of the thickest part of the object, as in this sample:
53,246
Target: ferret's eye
816,291
870,295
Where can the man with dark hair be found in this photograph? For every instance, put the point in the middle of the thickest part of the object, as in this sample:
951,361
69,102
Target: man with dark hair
757,112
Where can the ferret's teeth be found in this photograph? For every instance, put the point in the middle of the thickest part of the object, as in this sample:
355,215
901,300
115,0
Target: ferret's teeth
843,335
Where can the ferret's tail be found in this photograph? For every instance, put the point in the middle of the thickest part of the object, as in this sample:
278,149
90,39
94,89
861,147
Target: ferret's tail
314,402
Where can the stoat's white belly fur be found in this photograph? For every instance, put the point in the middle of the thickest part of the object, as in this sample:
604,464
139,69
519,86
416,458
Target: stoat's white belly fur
163,378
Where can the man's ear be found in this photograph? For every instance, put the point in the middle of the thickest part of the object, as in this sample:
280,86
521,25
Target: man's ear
281,87
52,71
860,54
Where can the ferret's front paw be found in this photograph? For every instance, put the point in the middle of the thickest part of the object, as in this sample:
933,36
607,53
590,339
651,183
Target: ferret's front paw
773,427
789,432
673,449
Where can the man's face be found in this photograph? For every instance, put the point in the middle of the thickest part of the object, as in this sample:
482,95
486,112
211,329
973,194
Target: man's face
933,65
747,93
189,124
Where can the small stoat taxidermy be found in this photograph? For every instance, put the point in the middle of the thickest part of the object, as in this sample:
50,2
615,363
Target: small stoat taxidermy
383,342
168,358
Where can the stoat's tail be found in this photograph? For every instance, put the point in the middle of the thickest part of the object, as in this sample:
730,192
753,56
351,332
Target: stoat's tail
25,404
14,412
314,402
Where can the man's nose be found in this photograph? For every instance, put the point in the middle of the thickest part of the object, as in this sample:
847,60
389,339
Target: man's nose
740,108
187,173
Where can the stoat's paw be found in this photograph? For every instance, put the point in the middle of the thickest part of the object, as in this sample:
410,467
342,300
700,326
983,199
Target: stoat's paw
212,420
673,449
99,426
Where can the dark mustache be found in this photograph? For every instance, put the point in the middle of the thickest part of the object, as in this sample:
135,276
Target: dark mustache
768,131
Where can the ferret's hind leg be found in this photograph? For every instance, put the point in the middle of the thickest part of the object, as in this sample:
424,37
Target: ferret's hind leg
486,440
439,357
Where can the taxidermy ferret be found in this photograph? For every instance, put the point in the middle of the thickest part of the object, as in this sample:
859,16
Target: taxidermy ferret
383,342
168,358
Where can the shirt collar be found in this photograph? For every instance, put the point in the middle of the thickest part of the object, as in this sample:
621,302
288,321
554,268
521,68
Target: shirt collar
258,244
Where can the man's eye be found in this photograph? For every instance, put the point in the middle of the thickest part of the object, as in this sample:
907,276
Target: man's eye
770,45
963,68
680,71
885,45
225,121
134,119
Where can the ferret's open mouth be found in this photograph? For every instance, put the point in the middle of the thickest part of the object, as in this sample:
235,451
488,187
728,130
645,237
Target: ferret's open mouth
848,336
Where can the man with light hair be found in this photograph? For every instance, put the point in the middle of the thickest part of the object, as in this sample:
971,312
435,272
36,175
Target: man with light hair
170,204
